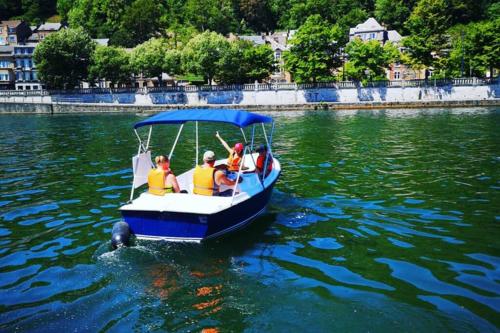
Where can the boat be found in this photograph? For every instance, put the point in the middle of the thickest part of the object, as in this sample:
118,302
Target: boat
189,217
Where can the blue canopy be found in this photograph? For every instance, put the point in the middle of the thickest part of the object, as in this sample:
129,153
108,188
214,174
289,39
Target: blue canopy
239,118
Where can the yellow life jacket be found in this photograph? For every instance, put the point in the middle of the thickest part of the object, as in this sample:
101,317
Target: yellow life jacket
233,162
204,182
156,182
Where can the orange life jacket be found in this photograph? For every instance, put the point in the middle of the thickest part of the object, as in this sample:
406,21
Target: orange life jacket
156,182
233,162
204,182
261,160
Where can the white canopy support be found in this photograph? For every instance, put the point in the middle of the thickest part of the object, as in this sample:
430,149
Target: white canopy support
197,147
253,136
175,142
140,143
270,153
149,137
244,136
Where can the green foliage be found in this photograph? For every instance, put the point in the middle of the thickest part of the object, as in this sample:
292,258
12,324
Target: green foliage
10,8
369,60
139,22
110,63
100,18
245,63
203,53
392,13
427,24
150,58
314,51
213,15
257,14
63,58
478,44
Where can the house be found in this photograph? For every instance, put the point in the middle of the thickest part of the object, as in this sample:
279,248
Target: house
13,32
372,30
26,75
41,32
278,41
6,67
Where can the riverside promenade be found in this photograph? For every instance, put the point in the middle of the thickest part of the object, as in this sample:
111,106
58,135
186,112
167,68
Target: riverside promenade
286,96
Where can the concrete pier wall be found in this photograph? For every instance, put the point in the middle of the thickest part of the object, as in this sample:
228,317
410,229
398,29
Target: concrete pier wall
255,99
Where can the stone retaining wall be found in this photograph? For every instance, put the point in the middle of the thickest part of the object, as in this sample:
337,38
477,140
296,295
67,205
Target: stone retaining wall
379,97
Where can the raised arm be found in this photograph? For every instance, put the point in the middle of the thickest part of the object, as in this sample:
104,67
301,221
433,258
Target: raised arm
224,143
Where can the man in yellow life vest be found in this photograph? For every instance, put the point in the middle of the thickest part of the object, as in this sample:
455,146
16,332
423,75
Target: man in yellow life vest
161,180
207,179
235,154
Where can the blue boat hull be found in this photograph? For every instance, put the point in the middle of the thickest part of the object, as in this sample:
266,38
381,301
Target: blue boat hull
195,227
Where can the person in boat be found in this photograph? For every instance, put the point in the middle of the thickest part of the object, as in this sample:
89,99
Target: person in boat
261,160
207,179
161,180
235,154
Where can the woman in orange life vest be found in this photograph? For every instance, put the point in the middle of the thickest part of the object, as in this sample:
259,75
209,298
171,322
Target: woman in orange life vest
207,179
161,180
235,155
261,160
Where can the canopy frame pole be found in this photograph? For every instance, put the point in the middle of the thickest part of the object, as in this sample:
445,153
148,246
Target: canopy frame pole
244,136
175,142
138,152
140,142
238,176
253,135
149,137
197,147
270,153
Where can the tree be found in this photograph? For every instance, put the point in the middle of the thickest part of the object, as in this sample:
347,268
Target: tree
203,53
428,22
245,63
213,15
258,14
148,58
314,51
139,22
10,8
392,13
259,62
110,63
476,48
369,60
100,18
62,59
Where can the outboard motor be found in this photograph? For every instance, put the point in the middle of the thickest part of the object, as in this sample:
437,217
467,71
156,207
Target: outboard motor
120,235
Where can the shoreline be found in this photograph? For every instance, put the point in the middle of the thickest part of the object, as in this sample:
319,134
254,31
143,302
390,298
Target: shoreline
79,108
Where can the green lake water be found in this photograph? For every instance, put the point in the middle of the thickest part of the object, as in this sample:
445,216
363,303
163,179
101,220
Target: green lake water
382,221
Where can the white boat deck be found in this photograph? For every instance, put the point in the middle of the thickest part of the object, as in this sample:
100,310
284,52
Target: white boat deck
200,204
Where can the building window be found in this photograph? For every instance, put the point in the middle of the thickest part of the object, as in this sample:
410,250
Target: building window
4,77
35,87
372,35
12,39
397,75
4,64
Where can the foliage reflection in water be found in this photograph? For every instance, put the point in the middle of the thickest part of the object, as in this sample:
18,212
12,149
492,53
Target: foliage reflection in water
382,221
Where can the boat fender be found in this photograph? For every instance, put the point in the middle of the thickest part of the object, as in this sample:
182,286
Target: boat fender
120,235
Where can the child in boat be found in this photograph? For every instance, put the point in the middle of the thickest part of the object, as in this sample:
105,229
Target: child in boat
161,180
235,154
261,160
